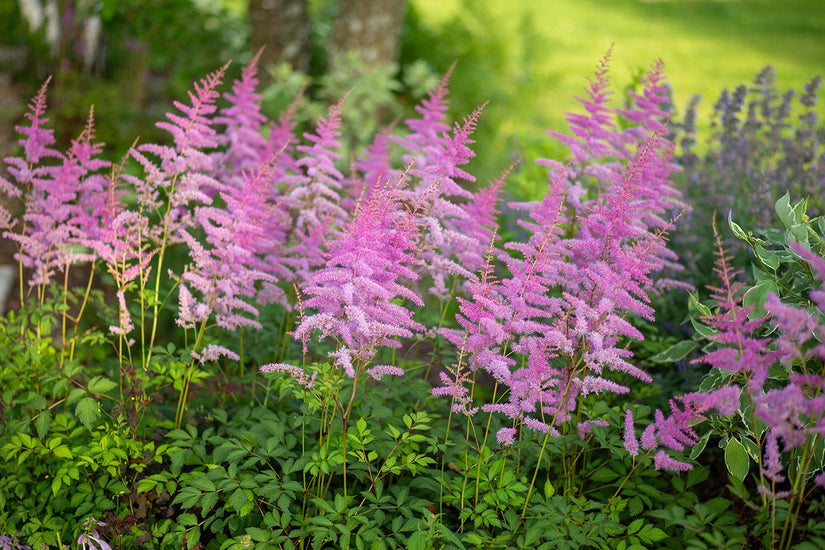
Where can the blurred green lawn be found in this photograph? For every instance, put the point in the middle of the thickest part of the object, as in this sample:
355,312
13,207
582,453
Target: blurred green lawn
541,51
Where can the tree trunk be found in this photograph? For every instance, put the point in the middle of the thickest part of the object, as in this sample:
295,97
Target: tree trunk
282,26
371,28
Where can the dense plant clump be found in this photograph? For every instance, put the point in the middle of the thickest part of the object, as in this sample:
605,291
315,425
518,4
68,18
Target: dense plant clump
275,345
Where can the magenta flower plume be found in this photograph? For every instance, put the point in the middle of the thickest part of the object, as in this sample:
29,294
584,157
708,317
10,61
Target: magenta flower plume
55,218
356,294
481,224
117,235
739,350
372,169
433,194
245,146
179,177
631,444
26,172
228,268
585,271
595,133
315,196
281,142
646,113
36,142
427,132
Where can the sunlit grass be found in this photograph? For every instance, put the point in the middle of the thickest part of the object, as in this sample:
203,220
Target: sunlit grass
541,51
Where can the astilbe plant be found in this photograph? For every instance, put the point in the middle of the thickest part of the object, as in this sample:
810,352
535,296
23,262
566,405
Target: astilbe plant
552,332
226,220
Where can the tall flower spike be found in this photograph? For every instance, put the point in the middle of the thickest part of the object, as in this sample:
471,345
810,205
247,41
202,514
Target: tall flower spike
242,120
739,349
356,295
582,275
437,184
316,195
26,171
595,133
180,177
227,270
427,131
55,217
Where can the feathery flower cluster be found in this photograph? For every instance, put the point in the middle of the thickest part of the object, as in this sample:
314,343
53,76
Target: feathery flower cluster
226,273
355,295
595,240
241,137
55,216
181,177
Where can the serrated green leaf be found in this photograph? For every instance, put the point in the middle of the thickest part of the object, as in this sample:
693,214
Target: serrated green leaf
549,490
75,395
695,305
652,534
42,423
62,451
257,534
100,384
736,459
703,330
674,353
193,536
635,525
418,541
187,519
202,483
238,499
87,411
145,485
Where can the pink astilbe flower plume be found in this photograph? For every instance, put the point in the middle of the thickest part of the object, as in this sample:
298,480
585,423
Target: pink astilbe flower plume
584,272
372,169
281,142
315,196
739,349
356,294
179,178
118,235
427,132
228,269
55,216
481,224
245,145
436,189
646,113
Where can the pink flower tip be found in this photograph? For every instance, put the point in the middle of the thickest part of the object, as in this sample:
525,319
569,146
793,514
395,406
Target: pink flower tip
663,462
379,371
506,436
